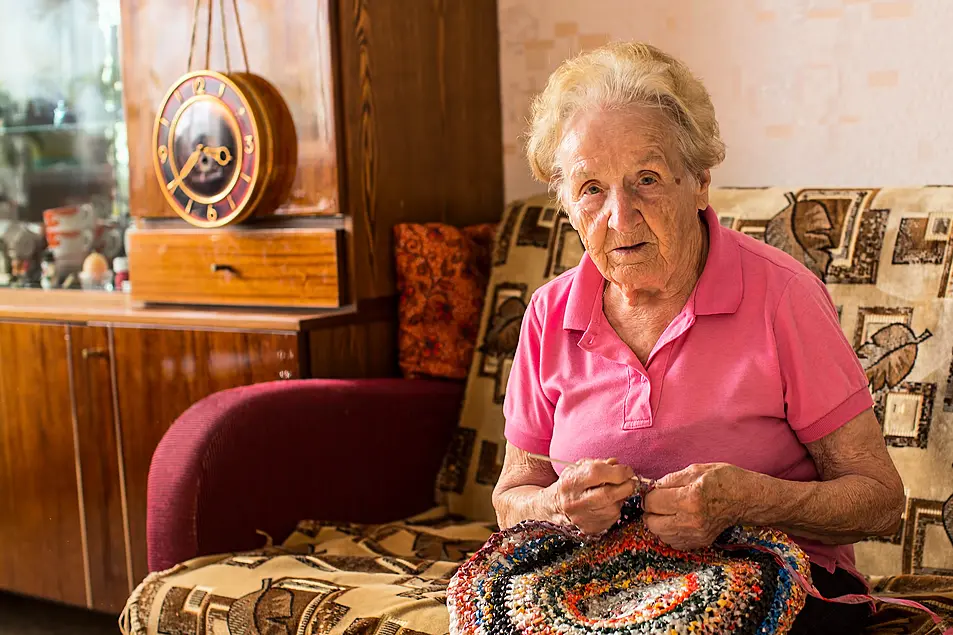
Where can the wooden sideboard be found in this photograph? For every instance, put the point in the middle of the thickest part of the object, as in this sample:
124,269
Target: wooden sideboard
88,386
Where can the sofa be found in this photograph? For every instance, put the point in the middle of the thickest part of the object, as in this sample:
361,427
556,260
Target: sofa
378,489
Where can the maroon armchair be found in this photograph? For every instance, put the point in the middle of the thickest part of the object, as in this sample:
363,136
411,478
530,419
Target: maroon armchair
265,456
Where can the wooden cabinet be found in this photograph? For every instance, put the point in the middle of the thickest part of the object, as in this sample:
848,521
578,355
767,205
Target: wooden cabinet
86,396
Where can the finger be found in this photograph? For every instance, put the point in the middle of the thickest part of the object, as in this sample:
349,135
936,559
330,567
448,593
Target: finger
681,478
665,502
596,473
608,495
665,527
593,522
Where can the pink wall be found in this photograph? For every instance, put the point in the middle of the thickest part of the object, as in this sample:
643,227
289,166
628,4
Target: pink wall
808,92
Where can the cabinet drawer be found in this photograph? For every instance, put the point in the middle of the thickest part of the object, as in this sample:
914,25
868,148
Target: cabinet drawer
260,267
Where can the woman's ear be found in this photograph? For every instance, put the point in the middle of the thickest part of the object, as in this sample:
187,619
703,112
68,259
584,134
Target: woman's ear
703,181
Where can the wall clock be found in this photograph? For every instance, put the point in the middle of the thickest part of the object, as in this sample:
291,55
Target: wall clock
224,147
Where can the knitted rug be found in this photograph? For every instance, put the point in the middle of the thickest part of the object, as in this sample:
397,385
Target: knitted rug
538,578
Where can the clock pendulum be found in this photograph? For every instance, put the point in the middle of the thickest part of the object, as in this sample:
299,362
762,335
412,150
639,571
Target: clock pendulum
224,144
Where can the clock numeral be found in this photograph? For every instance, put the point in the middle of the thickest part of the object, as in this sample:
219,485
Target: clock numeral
163,154
198,85
211,214
249,144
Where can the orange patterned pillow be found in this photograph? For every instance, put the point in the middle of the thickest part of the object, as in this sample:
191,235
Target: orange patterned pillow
442,273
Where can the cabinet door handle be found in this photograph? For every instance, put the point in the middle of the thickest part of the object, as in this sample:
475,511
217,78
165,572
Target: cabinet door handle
95,352
217,267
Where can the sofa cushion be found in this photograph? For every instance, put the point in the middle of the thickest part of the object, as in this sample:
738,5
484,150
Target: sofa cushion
375,580
345,580
441,279
885,256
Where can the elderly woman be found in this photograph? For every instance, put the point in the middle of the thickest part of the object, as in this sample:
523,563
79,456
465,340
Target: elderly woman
680,350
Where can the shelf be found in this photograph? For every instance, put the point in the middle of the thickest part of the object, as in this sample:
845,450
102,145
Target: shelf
96,126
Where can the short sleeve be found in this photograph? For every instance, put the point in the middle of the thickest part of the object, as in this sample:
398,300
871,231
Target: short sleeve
824,384
528,412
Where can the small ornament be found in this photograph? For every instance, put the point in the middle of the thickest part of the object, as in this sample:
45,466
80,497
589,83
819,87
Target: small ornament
48,278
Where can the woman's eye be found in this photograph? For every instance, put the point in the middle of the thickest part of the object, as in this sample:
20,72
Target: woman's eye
592,190
648,179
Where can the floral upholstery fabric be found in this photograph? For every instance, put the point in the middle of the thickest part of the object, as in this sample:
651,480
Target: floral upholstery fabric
441,279
885,255
323,580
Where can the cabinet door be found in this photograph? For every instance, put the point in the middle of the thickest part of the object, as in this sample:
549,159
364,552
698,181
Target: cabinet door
101,483
160,373
41,533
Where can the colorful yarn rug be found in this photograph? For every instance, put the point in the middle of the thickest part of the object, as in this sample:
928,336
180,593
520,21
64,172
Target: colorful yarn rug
538,578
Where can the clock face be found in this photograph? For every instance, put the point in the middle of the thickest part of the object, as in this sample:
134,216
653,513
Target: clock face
206,145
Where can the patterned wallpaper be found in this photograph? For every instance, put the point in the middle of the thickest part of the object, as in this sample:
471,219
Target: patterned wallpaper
826,92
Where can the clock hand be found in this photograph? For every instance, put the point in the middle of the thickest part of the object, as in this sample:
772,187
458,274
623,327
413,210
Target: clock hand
187,168
220,155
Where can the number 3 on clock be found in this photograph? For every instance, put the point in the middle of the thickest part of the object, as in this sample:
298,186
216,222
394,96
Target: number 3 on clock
249,144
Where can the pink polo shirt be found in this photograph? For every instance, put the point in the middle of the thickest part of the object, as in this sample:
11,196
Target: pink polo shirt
754,367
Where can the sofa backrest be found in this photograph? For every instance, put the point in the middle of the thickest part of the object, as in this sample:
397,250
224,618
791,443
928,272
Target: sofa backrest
885,255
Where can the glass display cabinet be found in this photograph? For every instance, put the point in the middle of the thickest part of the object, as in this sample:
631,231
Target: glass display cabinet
63,154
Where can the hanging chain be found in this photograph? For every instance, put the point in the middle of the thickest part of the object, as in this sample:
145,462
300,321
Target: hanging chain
228,61
241,35
208,35
195,23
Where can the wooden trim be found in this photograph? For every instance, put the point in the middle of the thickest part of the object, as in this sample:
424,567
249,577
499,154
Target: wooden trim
104,308
117,422
78,463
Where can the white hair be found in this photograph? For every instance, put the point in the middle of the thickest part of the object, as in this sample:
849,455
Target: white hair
625,75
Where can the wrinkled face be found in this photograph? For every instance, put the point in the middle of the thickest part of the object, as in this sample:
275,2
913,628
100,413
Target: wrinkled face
630,198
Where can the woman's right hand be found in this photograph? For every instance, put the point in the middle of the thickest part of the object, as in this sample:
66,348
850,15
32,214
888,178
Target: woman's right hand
589,494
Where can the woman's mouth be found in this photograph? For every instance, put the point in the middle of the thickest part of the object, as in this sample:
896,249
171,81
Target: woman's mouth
630,249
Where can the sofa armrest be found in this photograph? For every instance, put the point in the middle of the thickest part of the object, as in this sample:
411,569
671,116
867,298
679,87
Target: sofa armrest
265,456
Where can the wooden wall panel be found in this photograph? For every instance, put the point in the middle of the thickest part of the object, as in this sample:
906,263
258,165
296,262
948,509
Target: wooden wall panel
289,43
41,531
351,351
102,481
163,372
420,88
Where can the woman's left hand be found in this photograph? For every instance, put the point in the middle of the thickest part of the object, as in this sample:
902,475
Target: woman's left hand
690,508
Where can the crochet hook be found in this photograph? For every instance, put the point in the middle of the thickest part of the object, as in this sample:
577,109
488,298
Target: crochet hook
644,482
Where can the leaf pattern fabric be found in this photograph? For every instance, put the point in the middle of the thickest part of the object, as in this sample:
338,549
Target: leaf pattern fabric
888,356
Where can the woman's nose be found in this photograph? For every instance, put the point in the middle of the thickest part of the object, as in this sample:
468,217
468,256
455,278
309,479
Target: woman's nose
624,216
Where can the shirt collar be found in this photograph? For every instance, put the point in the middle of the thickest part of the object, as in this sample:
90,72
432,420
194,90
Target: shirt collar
719,289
